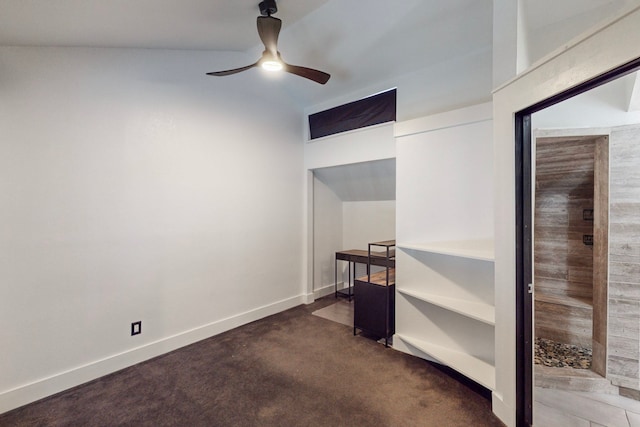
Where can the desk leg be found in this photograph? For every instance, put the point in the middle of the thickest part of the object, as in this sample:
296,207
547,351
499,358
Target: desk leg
353,283
349,280
335,283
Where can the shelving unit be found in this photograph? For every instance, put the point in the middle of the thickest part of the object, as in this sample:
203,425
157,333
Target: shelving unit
475,310
445,302
478,370
445,308
480,249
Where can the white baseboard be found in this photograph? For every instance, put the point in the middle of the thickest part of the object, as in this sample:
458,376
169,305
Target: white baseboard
37,390
308,298
326,290
506,414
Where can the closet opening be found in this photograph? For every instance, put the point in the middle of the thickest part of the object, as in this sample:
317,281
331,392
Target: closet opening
353,205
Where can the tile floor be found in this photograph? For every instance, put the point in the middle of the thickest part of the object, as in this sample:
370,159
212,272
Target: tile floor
561,408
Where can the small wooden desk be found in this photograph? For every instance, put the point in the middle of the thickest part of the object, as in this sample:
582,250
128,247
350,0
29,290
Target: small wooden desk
360,256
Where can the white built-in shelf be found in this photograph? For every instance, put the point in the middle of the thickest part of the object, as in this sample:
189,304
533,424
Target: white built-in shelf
478,370
480,249
476,310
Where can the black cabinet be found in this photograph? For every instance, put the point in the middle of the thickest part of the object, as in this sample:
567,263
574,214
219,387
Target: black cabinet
374,295
374,310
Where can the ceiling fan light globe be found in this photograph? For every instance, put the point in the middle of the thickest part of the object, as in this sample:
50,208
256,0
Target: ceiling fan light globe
271,65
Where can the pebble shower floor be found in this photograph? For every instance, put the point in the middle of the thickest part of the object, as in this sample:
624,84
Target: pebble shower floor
558,355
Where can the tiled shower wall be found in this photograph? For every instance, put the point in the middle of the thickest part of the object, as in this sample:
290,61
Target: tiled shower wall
624,257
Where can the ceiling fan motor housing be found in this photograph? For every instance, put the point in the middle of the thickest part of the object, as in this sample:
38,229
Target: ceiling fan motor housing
268,7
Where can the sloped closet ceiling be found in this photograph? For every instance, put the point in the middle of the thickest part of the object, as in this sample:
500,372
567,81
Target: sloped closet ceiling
367,181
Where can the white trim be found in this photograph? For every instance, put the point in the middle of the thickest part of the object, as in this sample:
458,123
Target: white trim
308,298
477,369
347,132
326,290
28,393
478,249
362,145
454,118
308,237
499,408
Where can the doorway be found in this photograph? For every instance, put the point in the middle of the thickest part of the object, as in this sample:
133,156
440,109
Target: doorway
525,240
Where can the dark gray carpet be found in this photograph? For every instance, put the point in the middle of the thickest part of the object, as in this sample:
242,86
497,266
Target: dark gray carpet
290,369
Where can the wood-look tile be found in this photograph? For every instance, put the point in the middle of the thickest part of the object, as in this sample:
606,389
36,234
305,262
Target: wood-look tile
579,405
622,380
624,347
626,272
574,380
551,414
624,290
634,419
629,405
625,367
546,416
624,307
624,239
623,326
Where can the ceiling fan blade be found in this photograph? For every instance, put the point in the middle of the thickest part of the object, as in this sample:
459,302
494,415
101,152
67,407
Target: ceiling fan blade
229,72
268,30
308,73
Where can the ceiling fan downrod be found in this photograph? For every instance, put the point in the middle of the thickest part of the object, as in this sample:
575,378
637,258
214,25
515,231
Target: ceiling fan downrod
268,7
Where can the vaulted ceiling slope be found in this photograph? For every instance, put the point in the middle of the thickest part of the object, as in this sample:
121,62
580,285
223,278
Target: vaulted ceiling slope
368,181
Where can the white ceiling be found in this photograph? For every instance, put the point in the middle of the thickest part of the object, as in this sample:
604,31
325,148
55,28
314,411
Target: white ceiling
358,42
168,24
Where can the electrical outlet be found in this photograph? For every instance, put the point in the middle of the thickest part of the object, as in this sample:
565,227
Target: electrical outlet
136,328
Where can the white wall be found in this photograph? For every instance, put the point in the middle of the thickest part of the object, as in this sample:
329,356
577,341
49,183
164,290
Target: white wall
342,225
356,146
604,106
603,49
365,222
456,147
327,236
134,187
368,221
510,45
455,83
547,31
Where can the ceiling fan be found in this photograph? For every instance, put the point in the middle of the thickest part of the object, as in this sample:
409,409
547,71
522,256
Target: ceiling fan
268,30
